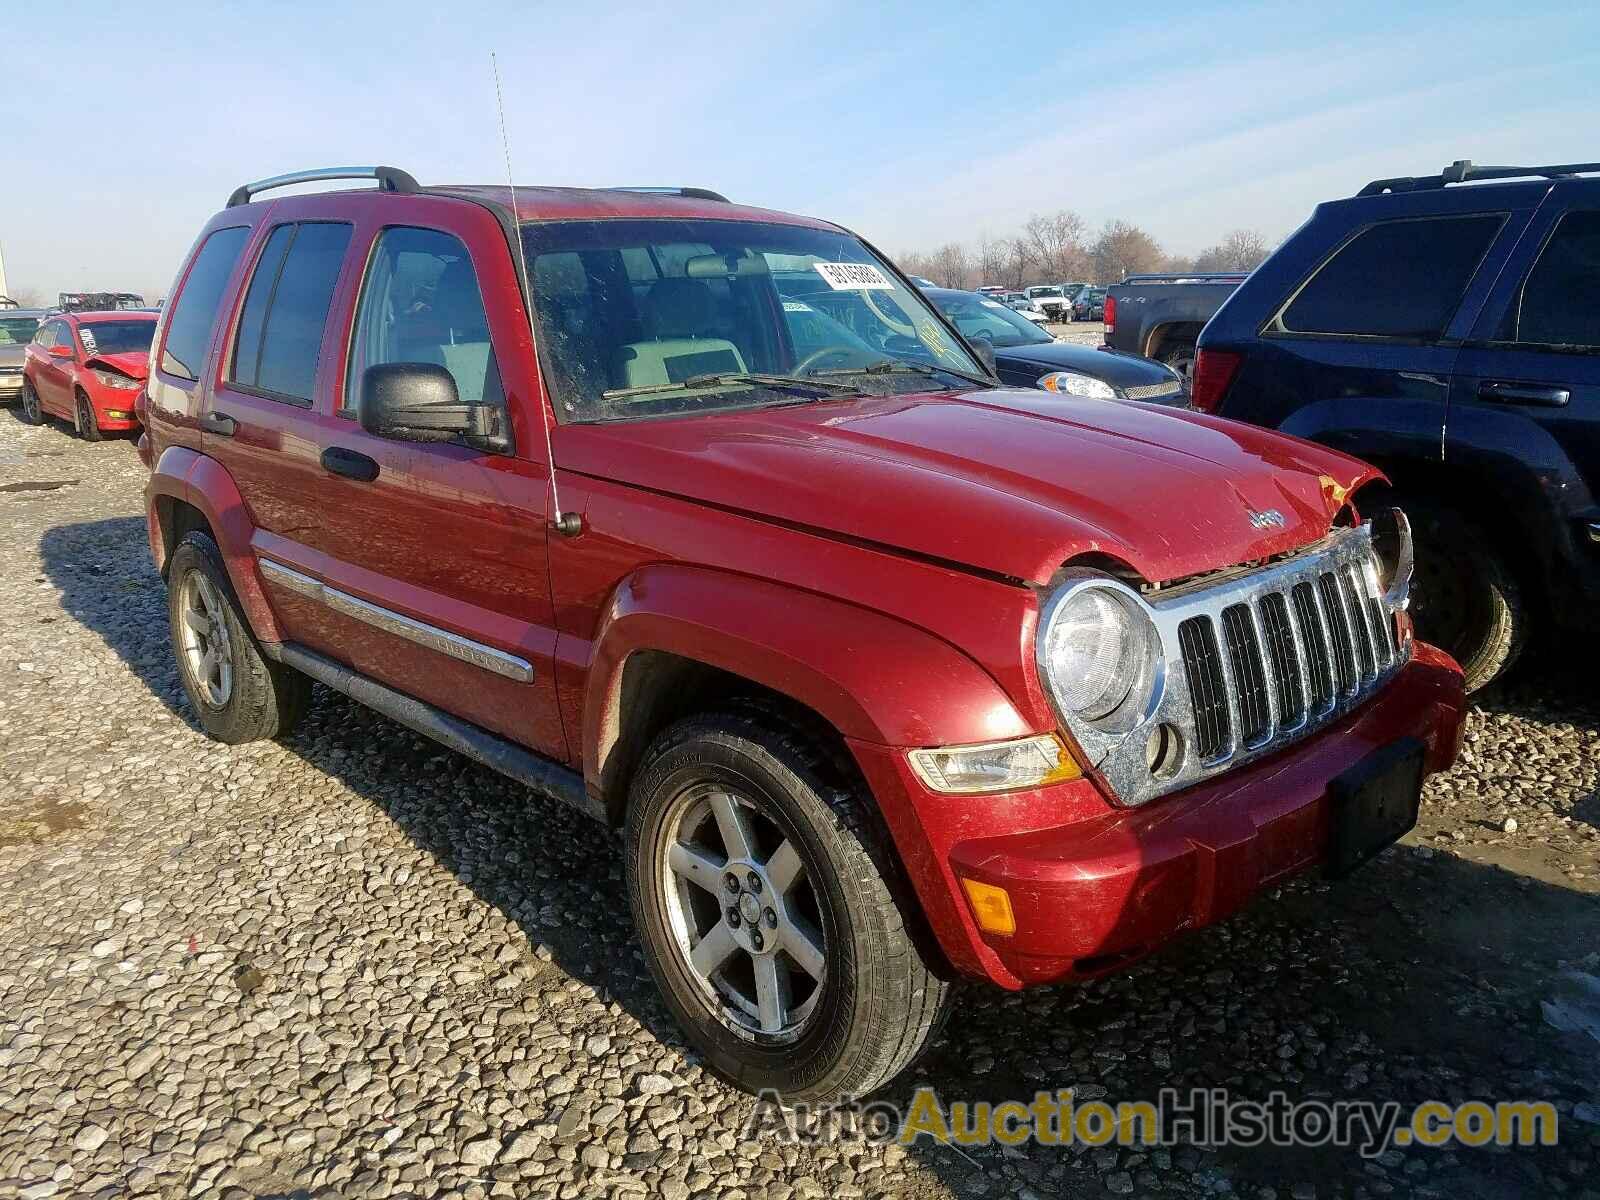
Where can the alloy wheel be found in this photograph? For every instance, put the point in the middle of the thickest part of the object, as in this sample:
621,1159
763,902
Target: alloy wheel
745,912
207,650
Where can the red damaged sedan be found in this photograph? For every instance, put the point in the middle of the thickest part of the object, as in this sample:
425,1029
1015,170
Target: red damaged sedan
88,368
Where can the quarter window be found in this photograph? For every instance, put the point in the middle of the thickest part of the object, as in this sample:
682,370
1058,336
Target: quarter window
1398,279
421,304
280,331
194,313
1559,304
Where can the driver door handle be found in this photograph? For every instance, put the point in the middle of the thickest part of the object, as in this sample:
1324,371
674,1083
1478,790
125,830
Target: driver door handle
219,423
1523,393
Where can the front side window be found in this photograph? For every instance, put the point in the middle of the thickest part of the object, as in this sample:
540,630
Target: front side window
1559,303
194,313
1398,279
116,337
286,310
646,318
979,316
421,304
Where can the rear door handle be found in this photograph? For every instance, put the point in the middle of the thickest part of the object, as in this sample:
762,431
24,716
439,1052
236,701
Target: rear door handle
1524,393
350,463
218,423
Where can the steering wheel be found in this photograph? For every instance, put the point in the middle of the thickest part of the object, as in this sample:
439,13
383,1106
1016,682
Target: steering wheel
810,361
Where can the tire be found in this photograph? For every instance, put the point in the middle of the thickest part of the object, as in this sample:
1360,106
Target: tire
87,423
247,697
1466,599
877,1004
1180,358
31,412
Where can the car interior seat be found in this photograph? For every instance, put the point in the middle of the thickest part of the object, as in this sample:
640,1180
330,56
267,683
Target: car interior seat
682,339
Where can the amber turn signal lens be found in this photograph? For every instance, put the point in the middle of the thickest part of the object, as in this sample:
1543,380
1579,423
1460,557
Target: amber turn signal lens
991,906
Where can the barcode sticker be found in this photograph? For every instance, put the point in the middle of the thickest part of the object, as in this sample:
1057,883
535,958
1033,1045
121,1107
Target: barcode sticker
854,277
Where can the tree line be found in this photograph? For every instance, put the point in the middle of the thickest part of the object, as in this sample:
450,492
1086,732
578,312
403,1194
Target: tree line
1060,248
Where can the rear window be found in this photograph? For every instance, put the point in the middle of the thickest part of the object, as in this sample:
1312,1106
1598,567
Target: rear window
194,314
1559,304
116,337
1398,279
280,331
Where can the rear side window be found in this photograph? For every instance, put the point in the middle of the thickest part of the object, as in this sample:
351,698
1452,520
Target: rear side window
1399,279
1559,304
280,331
194,314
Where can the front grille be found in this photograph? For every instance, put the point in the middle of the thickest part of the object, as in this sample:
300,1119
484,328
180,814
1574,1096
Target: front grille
1292,652
1150,391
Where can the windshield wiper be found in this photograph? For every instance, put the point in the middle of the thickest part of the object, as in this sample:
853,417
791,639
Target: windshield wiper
899,366
712,379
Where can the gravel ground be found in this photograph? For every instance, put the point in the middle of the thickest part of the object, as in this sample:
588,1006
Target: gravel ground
352,964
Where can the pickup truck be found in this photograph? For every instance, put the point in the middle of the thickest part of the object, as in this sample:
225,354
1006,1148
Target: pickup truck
1049,298
1160,316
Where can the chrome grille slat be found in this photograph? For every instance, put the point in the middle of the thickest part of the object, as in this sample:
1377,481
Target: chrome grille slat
1337,620
1314,637
1284,659
1249,675
1198,640
1360,629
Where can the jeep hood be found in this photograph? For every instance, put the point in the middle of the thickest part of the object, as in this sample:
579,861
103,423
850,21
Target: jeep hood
1008,482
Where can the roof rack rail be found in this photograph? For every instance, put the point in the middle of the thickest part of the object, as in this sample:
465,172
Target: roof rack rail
390,179
1463,171
1186,277
693,193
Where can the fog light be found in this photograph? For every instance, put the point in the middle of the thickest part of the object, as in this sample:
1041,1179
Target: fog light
991,906
1163,752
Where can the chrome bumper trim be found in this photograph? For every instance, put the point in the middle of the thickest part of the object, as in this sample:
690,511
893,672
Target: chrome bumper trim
442,640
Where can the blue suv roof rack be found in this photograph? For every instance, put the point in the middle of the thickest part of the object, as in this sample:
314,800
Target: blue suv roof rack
1463,171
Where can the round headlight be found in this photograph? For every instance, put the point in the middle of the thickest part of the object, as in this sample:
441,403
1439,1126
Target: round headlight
1391,546
1071,383
1100,655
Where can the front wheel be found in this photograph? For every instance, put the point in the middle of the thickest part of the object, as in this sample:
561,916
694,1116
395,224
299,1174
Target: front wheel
87,423
238,694
761,893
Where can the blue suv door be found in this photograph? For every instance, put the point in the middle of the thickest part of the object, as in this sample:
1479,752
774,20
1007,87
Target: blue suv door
1525,394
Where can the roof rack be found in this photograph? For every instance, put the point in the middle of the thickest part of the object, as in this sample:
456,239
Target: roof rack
390,179
1463,171
693,193
1187,277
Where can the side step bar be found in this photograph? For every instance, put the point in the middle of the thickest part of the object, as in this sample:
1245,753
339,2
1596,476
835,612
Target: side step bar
493,751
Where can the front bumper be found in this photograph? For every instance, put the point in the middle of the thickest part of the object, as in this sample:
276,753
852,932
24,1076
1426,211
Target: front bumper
10,384
1105,886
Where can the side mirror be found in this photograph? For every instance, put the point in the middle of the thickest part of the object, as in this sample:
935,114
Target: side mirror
60,351
983,344
418,402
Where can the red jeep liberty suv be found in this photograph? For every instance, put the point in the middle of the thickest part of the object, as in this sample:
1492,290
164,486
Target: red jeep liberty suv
698,517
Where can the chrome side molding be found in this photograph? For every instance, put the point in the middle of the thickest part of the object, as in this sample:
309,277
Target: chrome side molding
441,640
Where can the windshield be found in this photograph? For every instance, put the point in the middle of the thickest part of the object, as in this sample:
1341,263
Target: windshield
1039,293
644,318
116,337
16,330
979,316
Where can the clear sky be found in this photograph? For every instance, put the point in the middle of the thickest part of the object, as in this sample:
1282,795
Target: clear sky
913,123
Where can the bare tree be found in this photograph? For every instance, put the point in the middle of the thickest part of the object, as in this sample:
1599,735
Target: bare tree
1056,243
1241,250
1124,249
950,267
992,257
29,297
1019,261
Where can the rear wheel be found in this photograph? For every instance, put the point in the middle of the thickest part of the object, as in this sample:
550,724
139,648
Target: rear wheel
237,693
762,898
32,413
85,420
1180,358
1466,599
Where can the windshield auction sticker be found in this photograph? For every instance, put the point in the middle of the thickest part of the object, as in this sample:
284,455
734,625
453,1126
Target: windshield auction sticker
854,277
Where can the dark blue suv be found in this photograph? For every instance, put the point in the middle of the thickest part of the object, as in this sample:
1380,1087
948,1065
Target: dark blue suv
1446,328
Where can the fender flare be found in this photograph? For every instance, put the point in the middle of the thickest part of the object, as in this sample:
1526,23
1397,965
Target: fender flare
869,675
202,482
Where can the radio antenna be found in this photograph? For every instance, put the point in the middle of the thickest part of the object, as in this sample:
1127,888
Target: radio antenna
567,523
